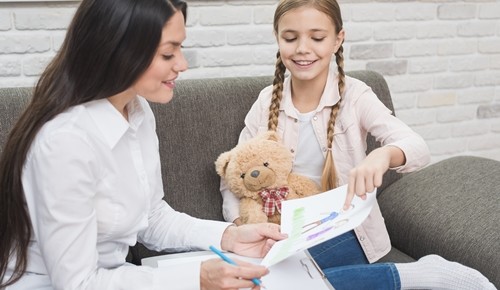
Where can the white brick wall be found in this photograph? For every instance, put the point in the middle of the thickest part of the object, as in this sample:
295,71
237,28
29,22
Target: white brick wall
441,58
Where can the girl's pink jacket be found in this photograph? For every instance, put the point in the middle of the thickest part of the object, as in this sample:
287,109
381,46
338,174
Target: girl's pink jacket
360,112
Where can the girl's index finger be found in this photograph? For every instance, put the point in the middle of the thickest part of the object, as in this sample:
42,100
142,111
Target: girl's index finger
350,191
348,200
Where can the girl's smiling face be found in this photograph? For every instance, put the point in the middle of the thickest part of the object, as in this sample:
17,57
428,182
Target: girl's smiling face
158,82
307,41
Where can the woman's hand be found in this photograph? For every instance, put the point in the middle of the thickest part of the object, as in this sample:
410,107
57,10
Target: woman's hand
251,240
369,173
218,274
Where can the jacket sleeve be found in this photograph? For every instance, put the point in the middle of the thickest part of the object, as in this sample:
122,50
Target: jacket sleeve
376,118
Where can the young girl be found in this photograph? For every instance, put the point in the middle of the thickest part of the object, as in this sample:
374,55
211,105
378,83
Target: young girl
323,116
80,176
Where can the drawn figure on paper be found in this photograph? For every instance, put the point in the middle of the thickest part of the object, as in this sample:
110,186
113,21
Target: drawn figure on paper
330,217
319,222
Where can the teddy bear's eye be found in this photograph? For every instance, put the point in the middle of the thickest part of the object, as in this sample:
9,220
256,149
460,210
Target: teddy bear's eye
266,164
242,175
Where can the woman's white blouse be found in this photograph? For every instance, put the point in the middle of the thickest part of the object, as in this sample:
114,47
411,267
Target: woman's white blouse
93,187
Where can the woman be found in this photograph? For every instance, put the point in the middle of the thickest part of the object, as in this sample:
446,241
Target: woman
80,172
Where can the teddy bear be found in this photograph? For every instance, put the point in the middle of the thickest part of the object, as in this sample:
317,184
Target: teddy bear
258,172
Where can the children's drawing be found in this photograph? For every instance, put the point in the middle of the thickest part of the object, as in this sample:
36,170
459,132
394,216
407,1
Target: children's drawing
319,222
330,220
311,220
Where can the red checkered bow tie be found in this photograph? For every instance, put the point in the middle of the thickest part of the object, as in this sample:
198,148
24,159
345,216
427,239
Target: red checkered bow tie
272,199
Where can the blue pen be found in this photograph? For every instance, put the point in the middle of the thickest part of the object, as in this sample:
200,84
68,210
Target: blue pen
230,261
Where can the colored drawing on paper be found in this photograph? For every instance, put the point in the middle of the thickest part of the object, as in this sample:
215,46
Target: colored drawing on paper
324,225
297,225
312,220
317,223
326,230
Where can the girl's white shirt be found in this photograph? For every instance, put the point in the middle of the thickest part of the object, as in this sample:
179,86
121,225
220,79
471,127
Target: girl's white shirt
93,187
360,112
308,158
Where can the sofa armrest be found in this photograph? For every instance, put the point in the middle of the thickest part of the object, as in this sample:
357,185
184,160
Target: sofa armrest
451,208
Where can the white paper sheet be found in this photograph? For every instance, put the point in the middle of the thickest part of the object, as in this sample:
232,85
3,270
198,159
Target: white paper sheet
297,272
315,219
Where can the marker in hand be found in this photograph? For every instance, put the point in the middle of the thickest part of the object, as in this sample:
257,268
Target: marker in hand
230,261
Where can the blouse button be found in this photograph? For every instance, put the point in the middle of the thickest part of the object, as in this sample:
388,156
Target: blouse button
324,149
315,118
291,150
296,120
362,238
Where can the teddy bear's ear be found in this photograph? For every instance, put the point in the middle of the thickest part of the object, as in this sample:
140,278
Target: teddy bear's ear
270,135
222,162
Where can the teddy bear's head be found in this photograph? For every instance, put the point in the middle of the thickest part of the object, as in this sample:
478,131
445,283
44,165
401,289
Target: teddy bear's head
261,162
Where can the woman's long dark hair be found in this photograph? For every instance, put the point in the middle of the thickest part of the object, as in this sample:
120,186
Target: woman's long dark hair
108,45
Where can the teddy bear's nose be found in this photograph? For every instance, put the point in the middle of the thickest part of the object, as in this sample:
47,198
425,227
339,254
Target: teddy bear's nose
255,173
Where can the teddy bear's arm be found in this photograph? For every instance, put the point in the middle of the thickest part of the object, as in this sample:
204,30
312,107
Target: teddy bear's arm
251,211
302,185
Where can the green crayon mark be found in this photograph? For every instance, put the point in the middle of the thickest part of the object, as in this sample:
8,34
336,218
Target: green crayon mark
297,223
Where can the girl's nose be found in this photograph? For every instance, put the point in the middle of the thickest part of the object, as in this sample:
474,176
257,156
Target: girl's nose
302,46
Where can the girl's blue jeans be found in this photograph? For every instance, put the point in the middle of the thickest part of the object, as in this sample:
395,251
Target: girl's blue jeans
345,266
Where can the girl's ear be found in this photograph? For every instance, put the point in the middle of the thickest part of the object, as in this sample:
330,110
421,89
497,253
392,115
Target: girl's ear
339,40
268,135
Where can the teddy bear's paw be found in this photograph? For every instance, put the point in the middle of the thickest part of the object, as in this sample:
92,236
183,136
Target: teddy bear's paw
276,219
254,219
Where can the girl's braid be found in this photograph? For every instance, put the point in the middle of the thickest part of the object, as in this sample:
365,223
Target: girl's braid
329,176
279,78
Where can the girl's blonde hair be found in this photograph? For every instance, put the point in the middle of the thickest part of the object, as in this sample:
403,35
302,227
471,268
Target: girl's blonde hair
332,9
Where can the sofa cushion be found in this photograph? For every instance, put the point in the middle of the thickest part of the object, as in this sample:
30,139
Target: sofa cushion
203,120
450,208
12,103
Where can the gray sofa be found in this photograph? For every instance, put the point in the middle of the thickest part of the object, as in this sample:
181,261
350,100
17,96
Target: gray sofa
451,208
